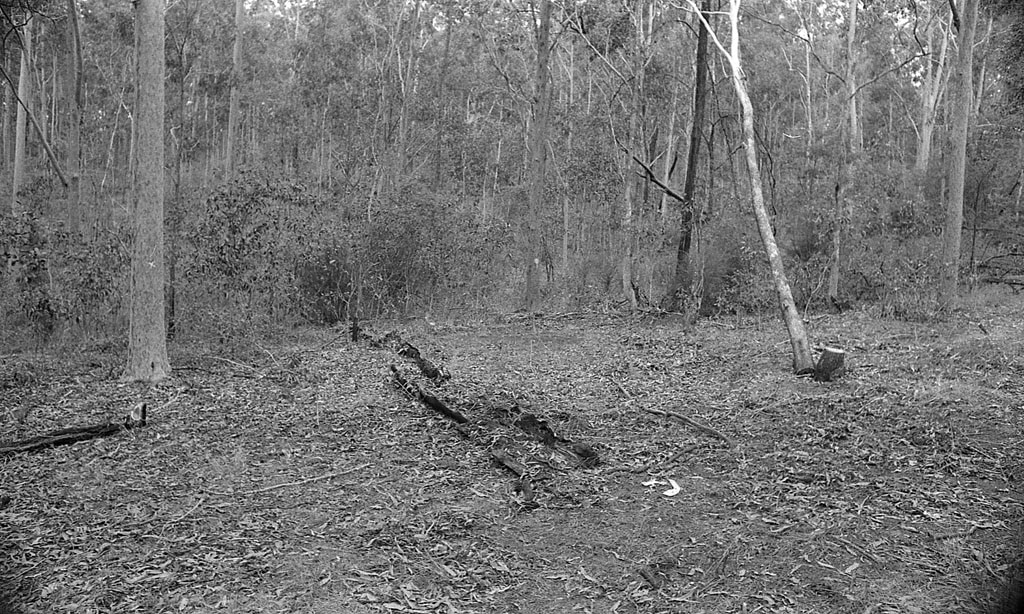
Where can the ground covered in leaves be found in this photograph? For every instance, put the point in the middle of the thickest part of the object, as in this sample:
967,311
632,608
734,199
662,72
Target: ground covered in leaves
292,476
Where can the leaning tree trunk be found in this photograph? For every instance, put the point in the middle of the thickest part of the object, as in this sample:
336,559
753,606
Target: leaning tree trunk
802,361
147,342
964,84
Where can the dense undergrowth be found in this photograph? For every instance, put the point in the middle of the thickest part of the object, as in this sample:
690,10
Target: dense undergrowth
264,250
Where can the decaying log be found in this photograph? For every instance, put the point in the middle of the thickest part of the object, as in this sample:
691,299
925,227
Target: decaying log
831,365
67,436
486,429
507,412
510,463
414,391
427,368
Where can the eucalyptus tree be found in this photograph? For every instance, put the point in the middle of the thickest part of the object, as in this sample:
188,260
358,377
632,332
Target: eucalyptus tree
963,81
802,360
538,150
147,341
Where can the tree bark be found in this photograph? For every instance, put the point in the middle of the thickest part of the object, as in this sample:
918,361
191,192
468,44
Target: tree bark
22,115
681,296
854,145
235,94
856,140
533,241
74,153
932,87
147,341
802,361
964,84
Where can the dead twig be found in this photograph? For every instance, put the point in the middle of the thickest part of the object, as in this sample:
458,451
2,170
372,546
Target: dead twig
690,421
318,478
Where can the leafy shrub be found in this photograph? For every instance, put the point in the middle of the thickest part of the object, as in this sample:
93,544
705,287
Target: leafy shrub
324,283
745,283
900,276
264,247
51,278
248,239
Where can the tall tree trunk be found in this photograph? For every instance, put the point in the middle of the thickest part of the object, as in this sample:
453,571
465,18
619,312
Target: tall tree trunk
8,115
802,360
533,241
442,107
856,141
681,296
670,150
75,129
964,87
569,144
854,144
628,193
22,117
147,340
809,102
230,155
932,87
983,70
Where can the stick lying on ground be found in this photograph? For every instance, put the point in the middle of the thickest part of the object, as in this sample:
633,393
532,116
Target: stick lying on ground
136,418
697,425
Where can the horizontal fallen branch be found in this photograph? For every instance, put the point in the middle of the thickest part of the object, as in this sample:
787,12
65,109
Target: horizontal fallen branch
317,478
67,436
690,421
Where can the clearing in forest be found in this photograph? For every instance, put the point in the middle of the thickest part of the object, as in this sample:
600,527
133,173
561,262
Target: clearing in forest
293,476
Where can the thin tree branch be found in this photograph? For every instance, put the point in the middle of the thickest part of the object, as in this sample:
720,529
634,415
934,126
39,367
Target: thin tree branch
35,124
885,72
656,181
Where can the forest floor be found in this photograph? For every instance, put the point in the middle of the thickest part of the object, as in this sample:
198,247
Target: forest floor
290,475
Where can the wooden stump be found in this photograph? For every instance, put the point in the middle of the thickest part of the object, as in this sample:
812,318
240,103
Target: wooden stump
831,365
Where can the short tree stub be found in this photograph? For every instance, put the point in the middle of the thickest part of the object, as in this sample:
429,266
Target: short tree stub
831,365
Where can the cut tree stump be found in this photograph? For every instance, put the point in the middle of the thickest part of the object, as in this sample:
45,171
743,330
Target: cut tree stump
831,365
63,437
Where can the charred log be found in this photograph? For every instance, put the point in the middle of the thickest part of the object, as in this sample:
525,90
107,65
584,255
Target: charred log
68,436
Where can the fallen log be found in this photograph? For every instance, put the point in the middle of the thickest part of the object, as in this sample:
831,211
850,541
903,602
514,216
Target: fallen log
415,392
68,436
509,413
427,368
503,457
